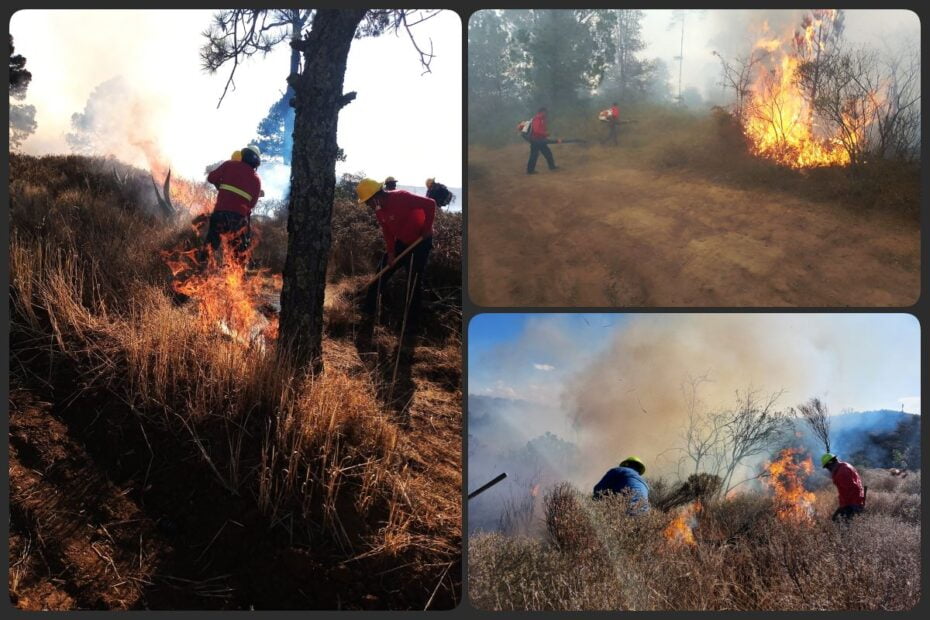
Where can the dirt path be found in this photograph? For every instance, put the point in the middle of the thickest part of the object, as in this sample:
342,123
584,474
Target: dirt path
603,233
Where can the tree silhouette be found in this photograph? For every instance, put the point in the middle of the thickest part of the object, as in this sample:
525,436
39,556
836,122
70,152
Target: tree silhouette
318,97
22,117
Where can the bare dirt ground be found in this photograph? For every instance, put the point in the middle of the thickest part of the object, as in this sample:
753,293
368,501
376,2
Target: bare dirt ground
604,231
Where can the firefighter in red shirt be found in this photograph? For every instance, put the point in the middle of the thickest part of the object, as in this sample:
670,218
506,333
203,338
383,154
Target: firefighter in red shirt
238,190
404,218
848,484
539,142
613,123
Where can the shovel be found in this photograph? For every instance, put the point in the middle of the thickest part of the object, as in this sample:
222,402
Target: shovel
406,251
487,486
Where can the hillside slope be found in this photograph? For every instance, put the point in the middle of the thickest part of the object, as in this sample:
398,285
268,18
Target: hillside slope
156,462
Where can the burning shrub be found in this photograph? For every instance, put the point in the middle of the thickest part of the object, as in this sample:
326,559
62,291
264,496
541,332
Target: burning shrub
90,317
740,555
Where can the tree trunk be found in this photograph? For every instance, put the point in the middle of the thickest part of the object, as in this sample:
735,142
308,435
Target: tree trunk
317,102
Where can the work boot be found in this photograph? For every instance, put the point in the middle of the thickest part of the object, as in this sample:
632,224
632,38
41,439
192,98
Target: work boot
531,172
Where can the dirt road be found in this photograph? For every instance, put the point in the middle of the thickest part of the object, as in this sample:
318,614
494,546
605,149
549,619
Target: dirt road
603,231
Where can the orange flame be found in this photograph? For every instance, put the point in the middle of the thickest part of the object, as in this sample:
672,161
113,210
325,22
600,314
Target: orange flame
780,122
680,531
786,478
228,296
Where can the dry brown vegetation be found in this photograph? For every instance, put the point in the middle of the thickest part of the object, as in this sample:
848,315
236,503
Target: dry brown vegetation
681,214
155,463
592,556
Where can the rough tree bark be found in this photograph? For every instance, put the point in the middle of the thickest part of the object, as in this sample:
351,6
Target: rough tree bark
318,100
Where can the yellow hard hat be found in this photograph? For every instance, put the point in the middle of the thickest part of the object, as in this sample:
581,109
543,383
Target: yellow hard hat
430,181
236,156
636,463
367,188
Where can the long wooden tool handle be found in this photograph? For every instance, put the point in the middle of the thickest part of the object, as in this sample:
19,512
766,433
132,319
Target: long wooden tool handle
487,486
406,251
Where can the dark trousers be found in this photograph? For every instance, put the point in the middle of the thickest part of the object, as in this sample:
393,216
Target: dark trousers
537,147
234,227
847,512
414,264
611,137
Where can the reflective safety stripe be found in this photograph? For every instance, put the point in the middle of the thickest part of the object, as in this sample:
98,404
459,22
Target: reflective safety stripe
236,190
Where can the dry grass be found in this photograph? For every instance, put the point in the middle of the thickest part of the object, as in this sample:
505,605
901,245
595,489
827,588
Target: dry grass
593,556
711,146
89,301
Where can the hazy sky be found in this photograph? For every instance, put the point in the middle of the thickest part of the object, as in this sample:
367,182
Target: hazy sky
732,32
403,123
853,361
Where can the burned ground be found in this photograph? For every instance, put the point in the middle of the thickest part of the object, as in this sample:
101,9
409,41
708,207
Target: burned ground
676,215
145,453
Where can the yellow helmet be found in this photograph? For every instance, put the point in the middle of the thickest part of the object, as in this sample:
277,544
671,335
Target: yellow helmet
634,462
236,156
429,182
367,188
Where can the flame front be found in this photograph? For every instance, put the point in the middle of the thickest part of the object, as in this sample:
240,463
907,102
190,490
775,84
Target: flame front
228,297
786,478
780,123
681,529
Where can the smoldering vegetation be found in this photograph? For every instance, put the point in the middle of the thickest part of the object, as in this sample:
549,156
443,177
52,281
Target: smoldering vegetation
729,554
813,103
157,461
741,516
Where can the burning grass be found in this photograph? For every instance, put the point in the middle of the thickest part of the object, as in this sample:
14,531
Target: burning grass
318,457
722,554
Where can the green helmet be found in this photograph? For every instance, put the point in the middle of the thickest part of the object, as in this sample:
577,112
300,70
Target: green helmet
826,458
634,462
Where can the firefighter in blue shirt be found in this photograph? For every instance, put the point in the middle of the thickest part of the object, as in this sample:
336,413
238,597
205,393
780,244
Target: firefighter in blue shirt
626,478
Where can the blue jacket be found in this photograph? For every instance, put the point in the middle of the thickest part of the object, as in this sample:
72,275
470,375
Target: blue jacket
625,479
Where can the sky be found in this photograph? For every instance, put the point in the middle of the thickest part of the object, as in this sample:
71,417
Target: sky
731,32
390,129
855,362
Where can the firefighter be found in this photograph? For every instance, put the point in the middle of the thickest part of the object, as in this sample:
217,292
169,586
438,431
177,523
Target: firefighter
613,123
538,137
390,184
848,485
404,217
238,190
626,478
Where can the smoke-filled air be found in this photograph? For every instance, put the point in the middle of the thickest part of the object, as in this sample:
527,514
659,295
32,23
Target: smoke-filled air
731,416
698,157
130,84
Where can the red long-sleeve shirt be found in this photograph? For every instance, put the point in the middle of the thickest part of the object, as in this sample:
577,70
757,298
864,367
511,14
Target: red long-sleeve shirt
614,112
405,217
538,130
848,484
238,175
